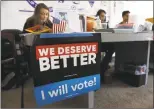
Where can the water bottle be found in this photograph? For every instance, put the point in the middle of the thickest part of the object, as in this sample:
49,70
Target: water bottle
98,22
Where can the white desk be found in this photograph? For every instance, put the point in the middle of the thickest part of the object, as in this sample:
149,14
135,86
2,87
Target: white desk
125,37
130,37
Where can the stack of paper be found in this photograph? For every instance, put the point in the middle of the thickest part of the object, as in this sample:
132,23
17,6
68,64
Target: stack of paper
38,29
123,30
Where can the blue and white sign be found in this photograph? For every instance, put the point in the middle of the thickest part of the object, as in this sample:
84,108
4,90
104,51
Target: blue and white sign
66,89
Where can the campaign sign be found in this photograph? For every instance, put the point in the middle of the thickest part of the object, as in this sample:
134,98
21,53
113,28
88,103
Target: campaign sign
65,65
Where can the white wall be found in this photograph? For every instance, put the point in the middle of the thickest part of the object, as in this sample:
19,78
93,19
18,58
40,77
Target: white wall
139,9
11,18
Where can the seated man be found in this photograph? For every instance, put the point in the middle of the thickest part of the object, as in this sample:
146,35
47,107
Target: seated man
125,24
125,16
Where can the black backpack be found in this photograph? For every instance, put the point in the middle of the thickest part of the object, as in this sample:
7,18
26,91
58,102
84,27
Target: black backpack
7,48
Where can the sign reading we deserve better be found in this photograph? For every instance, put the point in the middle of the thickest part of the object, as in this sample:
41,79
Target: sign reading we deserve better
65,65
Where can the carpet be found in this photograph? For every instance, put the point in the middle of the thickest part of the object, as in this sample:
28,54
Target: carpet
115,95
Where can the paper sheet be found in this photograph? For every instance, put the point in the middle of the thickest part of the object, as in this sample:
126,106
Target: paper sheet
65,12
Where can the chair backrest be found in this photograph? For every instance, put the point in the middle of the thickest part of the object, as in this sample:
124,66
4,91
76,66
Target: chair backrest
11,36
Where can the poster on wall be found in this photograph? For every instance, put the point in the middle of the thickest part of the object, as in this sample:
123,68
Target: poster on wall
63,69
67,11
91,2
62,16
60,1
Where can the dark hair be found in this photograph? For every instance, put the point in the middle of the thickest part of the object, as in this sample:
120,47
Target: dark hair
100,11
125,12
39,7
36,14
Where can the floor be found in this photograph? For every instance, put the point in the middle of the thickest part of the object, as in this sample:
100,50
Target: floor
115,95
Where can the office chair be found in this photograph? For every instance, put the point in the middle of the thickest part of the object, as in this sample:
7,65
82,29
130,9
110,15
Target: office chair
12,59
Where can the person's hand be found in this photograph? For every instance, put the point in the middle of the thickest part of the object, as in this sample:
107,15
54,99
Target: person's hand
50,31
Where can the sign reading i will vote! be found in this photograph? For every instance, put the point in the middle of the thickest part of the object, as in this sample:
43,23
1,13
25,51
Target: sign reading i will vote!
65,65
